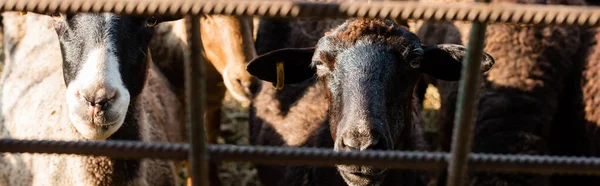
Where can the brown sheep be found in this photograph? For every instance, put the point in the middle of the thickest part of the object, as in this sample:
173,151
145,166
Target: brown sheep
228,44
358,95
575,131
522,98
83,95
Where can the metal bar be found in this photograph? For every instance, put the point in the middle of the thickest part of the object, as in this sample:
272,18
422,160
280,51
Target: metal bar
434,11
110,148
431,161
466,107
195,95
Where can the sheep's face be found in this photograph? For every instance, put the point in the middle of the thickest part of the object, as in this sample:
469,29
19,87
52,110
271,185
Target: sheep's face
229,45
104,67
370,68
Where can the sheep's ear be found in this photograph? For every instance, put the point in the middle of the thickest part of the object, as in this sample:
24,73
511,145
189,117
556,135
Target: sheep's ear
444,61
296,65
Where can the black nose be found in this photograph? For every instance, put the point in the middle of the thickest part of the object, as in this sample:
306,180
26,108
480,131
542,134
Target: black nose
353,141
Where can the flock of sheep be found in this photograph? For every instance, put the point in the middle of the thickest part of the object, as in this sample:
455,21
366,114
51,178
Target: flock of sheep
349,84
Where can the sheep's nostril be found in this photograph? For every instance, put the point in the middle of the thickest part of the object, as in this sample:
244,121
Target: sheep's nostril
378,144
103,102
365,143
350,144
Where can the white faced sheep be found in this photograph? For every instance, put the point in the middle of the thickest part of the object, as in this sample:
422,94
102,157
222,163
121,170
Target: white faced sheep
84,77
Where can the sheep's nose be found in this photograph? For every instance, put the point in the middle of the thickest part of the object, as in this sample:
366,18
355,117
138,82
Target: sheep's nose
99,100
353,141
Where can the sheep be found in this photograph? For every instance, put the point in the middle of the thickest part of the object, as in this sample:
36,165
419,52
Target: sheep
64,72
522,98
228,45
339,107
278,33
575,131
227,42
435,33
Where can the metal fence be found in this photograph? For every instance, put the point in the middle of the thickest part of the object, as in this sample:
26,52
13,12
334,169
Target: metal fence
199,153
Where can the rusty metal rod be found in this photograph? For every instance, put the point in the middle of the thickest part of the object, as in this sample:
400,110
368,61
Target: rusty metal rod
436,11
195,96
466,107
110,148
428,161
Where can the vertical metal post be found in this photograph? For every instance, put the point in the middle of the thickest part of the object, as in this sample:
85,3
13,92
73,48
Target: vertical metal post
195,96
466,111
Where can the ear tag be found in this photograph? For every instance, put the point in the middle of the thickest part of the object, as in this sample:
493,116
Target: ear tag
280,76
23,13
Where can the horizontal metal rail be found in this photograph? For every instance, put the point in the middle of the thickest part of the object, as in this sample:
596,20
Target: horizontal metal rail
483,12
426,161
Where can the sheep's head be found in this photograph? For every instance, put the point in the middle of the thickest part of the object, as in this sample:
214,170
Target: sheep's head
104,64
228,44
370,68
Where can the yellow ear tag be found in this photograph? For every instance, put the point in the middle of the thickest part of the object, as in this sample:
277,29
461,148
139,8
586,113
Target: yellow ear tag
280,75
22,12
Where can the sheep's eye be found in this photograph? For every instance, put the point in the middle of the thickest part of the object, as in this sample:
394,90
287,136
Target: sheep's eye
320,66
151,22
414,58
56,15
322,70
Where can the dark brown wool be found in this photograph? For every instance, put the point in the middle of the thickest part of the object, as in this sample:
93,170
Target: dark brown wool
525,99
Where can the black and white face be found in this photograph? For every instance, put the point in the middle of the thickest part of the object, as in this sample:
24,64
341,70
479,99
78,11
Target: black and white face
369,68
104,67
